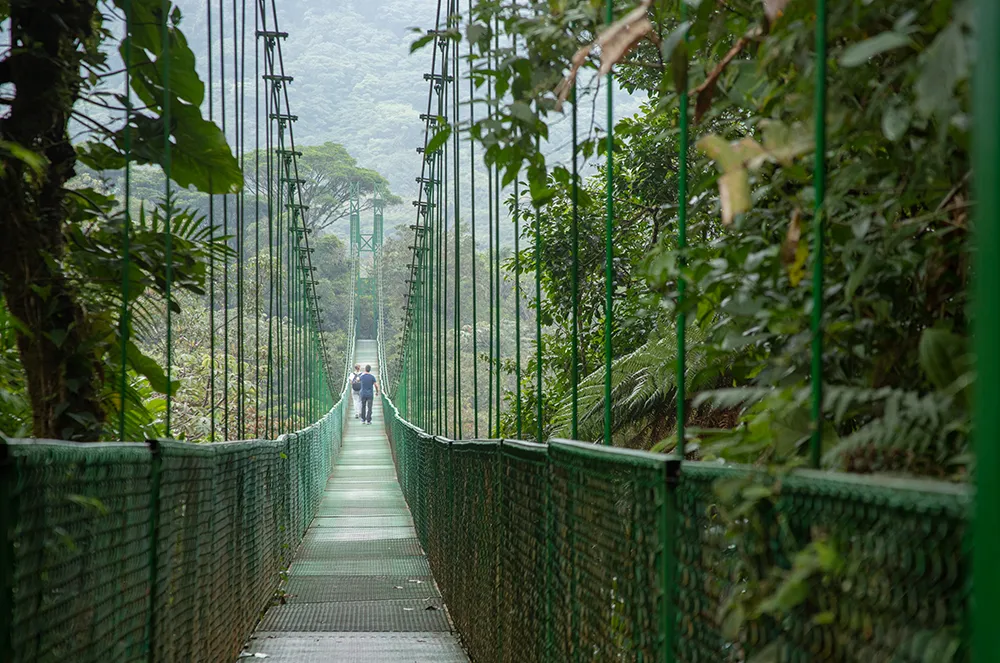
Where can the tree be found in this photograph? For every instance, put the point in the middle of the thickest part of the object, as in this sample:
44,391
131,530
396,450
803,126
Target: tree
329,171
60,269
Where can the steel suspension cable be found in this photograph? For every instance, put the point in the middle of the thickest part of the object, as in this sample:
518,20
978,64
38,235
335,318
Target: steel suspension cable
211,230
443,246
491,309
608,251
256,222
574,374
538,323
168,210
239,70
472,252
456,363
496,204
124,322
682,176
517,306
225,232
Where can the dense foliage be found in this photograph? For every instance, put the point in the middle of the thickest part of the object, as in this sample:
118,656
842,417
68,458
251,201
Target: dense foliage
897,194
67,353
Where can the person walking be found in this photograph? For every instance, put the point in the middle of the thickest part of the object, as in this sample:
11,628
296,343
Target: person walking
354,379
369,390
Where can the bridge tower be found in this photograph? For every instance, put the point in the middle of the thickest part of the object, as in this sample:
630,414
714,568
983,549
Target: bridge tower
366,243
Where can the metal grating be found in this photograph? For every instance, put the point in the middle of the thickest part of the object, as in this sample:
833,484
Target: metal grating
362,533
379,566
328,589
365,521
419,647
360,587
318,549
396,616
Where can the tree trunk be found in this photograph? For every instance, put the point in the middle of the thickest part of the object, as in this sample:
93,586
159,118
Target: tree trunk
61,367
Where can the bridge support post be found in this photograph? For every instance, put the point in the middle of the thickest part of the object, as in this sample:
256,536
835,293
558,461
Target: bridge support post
8,511
156,465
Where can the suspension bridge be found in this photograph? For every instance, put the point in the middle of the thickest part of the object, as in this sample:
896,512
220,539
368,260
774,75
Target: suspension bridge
291,532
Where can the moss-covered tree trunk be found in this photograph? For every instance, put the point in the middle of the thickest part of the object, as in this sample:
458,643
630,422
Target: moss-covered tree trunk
50,40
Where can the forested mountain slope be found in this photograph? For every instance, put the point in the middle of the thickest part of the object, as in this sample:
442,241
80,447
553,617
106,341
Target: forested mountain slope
357,84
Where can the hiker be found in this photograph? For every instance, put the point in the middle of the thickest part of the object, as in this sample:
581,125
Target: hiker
354,379
369,390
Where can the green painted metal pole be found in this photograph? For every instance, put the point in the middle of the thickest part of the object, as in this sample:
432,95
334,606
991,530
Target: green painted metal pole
239,111
445,428
168,208
819,184
439,398
539,427
682,176
574,371
539,430
256,222
153,536
496,202
456,332
472,252
608,250
986,153
517,308
123,323
225,231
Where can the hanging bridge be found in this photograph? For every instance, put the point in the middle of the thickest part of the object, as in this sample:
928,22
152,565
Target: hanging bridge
428,536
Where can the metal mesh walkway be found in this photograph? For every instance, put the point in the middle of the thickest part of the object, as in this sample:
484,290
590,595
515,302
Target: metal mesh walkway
359,588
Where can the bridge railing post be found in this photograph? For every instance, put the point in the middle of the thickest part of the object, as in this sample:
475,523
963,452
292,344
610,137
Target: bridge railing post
156,463
8,523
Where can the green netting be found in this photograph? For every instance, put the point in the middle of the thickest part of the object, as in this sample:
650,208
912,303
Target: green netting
471,589
578,552
78,539
523,591
902,595
116,549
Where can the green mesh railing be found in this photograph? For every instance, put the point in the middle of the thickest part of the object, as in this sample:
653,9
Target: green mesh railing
165,551
579,552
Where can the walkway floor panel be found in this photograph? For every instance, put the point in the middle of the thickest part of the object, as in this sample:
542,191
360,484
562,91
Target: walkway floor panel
360,588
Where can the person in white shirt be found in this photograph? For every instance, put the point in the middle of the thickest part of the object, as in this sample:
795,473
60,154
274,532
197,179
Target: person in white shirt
354,384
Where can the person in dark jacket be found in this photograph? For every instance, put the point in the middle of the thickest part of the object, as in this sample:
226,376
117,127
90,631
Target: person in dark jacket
369,390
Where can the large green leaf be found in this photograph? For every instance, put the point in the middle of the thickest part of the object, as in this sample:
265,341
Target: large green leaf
147,367
859,53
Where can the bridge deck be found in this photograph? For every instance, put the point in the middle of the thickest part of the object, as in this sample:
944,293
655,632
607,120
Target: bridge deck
360,588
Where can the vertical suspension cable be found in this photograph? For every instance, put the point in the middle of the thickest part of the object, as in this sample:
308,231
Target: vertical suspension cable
472,253
538,324
517,306
123,321
490,430
819,185
517,292
682,247
239,110
441,413
456,338
574,371
445,71
269,403
211,231
496,205
225,232
256,222
608,252
289,299
279,392
168,207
